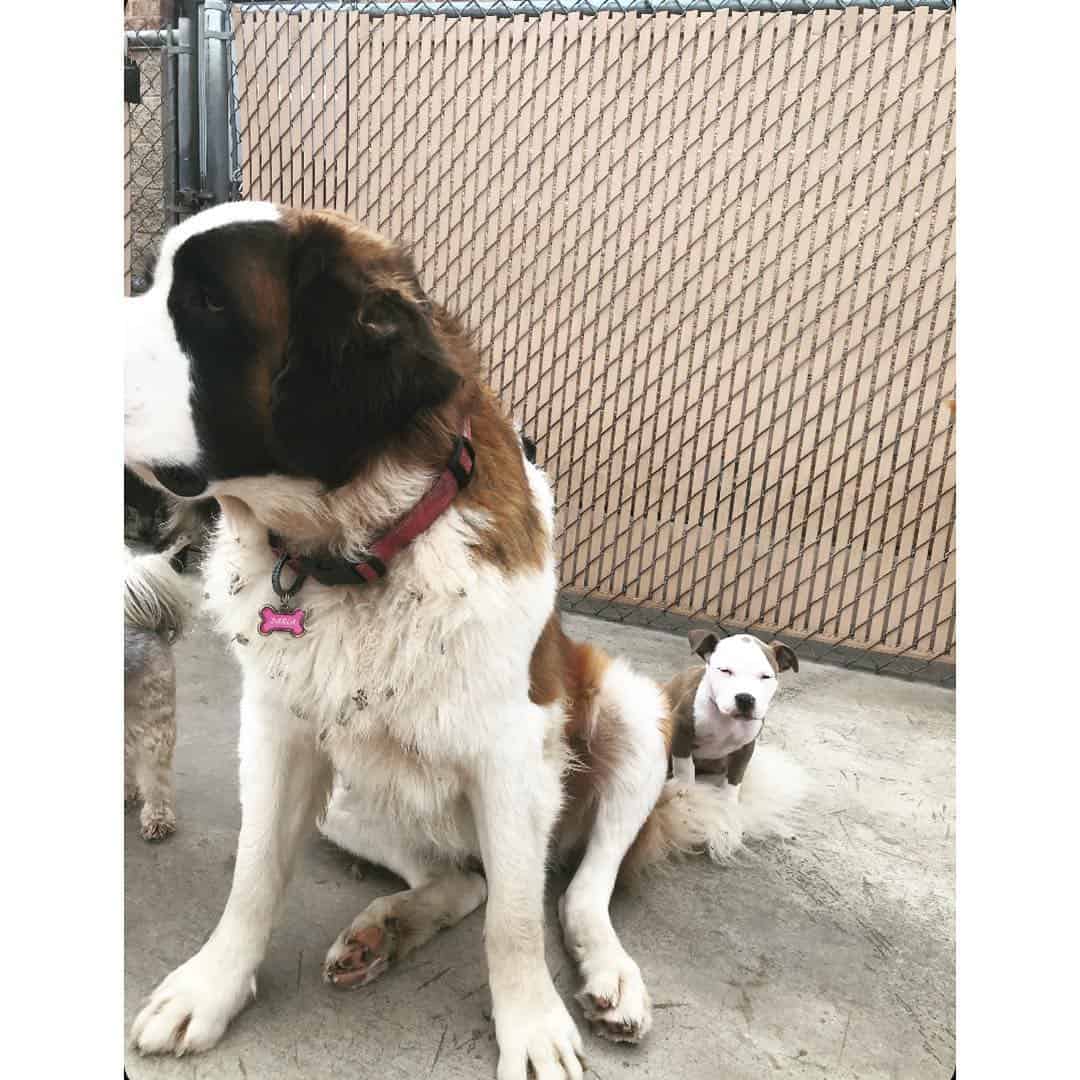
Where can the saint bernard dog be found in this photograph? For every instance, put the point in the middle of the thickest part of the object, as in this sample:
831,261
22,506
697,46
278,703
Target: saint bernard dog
383,570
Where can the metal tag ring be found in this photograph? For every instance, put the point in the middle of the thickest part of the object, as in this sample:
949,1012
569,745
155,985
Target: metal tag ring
275,580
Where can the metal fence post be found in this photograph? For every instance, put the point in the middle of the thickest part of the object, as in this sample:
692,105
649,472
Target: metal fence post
214,53
186,96
169,103
206,152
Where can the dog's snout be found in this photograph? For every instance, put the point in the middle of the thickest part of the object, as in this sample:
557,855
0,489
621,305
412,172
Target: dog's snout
744,702
181,480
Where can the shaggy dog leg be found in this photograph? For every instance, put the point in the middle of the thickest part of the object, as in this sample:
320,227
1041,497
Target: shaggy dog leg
150,733
389,928
153,754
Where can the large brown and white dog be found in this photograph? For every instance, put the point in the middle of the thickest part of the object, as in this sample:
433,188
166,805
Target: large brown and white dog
291,365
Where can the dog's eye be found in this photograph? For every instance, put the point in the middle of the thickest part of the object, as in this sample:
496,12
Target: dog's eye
212,302
768,676
726,671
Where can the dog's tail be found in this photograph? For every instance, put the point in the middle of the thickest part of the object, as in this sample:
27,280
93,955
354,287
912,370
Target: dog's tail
697,818
156,597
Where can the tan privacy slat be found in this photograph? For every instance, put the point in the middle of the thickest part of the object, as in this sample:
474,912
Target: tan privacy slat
709,260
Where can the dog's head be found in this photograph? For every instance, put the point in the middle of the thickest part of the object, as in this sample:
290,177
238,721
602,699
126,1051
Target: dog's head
277,342
742,671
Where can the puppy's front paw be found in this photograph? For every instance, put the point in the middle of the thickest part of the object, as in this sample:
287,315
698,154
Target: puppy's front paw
614,999
192,1008
535,1029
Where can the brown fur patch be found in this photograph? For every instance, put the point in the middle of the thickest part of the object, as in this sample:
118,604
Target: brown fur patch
680,693
780,656
568,670
668,724
547,681
770,655
571,672
516,539
263,294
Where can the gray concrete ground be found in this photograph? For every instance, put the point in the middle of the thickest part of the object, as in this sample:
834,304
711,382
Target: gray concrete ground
829,953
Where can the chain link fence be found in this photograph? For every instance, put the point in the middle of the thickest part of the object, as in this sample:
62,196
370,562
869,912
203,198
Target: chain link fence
180,140
149,132
707,249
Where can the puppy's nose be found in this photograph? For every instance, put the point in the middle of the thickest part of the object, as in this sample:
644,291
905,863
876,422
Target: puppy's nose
744,703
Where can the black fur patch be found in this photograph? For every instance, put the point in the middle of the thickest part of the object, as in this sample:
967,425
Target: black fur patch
348,365
218,326
145,510
362,362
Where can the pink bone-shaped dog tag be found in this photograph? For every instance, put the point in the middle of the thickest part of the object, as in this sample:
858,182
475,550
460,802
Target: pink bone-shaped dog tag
289,622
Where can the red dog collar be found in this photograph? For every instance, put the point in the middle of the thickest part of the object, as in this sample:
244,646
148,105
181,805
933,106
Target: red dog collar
329,570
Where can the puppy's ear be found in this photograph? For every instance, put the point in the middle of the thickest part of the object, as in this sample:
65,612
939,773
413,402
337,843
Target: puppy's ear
362,362
702,642
785,656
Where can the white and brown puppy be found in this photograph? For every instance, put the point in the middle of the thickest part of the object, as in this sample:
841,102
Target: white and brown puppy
290,364
719,710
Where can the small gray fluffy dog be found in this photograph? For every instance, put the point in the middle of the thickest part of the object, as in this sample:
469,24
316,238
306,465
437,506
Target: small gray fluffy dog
159,602
156,610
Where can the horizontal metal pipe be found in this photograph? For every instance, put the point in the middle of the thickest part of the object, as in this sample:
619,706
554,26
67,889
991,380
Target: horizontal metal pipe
507,8
150,39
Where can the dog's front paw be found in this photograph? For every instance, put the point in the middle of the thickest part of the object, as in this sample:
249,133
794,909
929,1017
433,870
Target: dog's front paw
192,1008
535,1029
157,822
614,999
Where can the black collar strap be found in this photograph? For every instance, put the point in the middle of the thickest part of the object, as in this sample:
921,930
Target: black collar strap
331,570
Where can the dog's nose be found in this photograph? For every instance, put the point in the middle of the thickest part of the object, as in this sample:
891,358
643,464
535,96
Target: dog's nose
744,703
181,480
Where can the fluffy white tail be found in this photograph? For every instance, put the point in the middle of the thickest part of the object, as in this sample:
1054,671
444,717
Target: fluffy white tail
156,597
699,819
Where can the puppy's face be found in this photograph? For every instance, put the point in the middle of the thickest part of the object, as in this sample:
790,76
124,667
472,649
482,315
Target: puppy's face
278,342
742,671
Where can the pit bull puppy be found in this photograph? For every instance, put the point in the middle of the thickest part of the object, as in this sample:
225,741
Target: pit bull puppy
718,711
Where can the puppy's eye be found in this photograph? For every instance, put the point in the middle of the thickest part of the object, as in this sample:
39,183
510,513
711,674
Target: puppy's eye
726,671
768,676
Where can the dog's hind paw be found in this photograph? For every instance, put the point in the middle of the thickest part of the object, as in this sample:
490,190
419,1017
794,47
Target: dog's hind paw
362,953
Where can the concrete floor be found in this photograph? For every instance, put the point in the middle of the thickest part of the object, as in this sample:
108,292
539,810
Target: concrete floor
826,954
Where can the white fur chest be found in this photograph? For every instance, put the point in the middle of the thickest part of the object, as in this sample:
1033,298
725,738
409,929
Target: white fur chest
715,734
415,665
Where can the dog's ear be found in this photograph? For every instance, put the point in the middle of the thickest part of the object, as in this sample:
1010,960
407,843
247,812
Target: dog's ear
785,656
362,362
702,642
